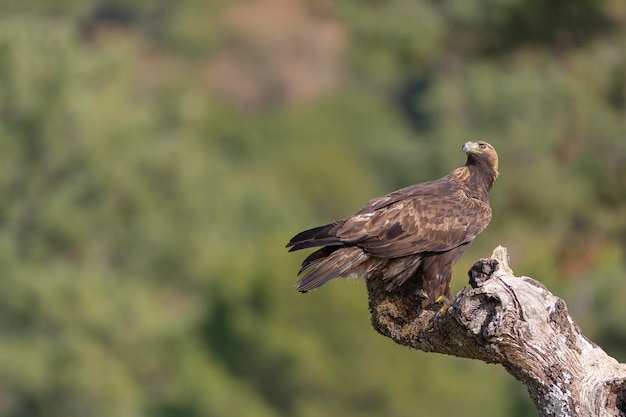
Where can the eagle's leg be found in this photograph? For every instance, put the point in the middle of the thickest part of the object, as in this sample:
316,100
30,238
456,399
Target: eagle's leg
447,300
437,291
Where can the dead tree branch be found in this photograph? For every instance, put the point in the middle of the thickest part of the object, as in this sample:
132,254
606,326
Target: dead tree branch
518,323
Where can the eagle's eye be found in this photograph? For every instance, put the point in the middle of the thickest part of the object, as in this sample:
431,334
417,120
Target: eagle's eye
482,146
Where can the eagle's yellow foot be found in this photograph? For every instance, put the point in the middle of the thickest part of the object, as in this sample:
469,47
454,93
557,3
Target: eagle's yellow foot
446,303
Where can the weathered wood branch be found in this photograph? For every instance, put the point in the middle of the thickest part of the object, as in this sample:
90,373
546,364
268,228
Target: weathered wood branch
518,323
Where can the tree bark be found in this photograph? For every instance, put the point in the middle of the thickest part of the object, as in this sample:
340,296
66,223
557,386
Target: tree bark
518,323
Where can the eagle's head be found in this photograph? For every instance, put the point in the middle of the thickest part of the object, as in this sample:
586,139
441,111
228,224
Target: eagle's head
483,155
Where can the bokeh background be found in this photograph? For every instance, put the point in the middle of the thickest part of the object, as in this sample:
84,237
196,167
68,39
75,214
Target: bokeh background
156,156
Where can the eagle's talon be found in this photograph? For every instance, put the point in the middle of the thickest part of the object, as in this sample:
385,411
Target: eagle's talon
446,301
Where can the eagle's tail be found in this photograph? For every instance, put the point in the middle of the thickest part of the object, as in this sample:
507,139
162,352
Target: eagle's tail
318,236
329,263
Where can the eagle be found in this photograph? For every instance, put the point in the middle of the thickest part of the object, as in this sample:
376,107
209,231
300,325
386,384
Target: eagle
415,233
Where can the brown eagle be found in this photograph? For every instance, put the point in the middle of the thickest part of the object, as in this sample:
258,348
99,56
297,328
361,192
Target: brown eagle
417,232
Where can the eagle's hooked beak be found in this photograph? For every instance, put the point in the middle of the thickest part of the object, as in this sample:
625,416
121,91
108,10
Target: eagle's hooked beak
471,147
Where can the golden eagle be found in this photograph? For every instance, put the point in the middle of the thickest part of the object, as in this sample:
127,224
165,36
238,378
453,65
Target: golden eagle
417,232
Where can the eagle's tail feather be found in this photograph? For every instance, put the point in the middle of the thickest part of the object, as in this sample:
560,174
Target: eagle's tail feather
317,257
337,263
318,236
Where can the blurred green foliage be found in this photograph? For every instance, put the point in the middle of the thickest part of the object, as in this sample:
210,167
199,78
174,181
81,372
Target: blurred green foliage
155,157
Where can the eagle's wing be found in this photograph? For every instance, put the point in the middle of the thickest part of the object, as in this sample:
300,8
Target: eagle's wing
429,217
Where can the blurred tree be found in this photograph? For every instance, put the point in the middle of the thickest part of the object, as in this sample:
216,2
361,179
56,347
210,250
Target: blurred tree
155,157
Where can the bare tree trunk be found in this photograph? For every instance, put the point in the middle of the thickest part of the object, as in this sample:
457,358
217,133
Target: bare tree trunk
518,323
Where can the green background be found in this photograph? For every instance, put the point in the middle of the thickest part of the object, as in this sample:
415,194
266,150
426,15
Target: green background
156,156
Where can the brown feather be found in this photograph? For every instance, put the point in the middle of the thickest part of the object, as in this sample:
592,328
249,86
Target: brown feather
417,232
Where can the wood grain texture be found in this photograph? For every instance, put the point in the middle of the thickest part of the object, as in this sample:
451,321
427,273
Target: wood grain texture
515,322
